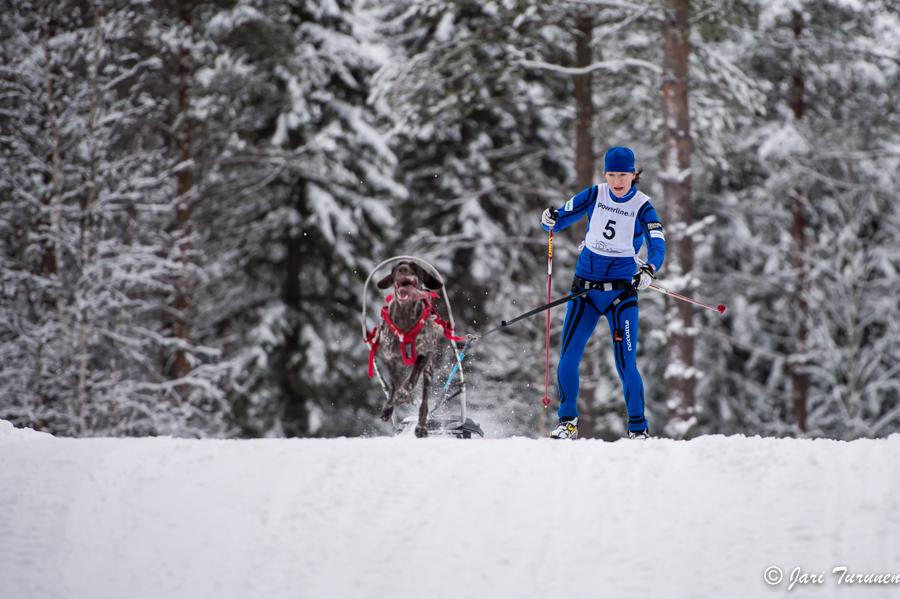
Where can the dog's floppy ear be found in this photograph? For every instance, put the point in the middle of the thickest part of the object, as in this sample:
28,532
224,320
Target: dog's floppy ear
387,281
430,282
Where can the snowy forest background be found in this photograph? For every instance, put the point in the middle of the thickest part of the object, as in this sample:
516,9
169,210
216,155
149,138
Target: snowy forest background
193,194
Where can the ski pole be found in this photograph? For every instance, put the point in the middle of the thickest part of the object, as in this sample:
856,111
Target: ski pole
552,304
720,308
546,398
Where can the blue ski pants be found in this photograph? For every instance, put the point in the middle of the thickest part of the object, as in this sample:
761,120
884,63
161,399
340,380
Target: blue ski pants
582,315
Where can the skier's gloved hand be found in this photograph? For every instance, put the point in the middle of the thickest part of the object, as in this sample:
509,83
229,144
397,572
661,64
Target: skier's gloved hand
549,217
643,277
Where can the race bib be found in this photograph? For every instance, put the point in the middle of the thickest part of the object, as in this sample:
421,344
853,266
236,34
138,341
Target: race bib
613,224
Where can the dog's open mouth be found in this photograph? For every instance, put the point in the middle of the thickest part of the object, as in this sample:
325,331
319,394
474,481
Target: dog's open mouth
408,289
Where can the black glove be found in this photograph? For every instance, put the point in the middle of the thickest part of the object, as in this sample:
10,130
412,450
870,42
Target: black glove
642,278
549,217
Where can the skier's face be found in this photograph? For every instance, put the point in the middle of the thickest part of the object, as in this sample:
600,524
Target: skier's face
619,183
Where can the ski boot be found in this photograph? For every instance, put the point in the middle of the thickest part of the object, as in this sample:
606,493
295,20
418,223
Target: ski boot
639,435
566,429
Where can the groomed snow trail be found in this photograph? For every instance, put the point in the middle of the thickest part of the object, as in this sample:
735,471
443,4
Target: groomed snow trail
382,518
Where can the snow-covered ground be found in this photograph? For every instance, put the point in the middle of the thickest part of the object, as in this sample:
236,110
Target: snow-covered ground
510,518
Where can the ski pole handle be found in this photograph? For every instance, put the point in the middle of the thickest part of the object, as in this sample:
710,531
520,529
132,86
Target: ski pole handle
555,214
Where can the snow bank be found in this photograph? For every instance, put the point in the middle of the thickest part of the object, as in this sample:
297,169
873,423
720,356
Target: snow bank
401,517
10,432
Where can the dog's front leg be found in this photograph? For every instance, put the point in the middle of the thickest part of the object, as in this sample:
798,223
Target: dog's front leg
405,392
394,376
422,426
427,375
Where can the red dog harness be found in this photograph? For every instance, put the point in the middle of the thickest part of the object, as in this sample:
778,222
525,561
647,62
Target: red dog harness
407,338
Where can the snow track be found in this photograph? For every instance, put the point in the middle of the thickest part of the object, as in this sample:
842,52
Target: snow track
384,518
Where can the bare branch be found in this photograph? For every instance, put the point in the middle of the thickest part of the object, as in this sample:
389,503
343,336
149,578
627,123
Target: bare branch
606,65
753,350
613,4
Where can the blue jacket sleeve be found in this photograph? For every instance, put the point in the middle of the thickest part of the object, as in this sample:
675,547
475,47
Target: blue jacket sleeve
574,209
652,231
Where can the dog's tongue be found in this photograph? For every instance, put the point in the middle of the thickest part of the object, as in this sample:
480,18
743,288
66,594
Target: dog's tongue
408,292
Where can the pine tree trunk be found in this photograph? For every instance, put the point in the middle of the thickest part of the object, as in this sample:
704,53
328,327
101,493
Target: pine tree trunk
56,229
584,166
293,415
87,217
799,379
676,181
184,187
584,105
56,201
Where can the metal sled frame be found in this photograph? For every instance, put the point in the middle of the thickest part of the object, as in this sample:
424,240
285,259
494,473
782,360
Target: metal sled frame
462,428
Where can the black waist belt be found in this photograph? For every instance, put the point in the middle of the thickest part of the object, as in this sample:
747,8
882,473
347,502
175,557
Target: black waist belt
595,286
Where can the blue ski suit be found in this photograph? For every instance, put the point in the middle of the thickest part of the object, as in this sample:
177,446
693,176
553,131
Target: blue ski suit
619,306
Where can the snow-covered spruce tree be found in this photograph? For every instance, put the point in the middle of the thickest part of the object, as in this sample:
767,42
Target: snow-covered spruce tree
484,145
86,277
806,249
293,190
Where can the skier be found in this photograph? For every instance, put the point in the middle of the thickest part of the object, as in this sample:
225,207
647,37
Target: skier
620,218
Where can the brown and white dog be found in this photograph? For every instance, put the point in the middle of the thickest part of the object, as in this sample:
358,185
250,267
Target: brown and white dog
404,314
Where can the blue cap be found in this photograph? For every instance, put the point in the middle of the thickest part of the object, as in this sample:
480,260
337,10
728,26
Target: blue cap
619,160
